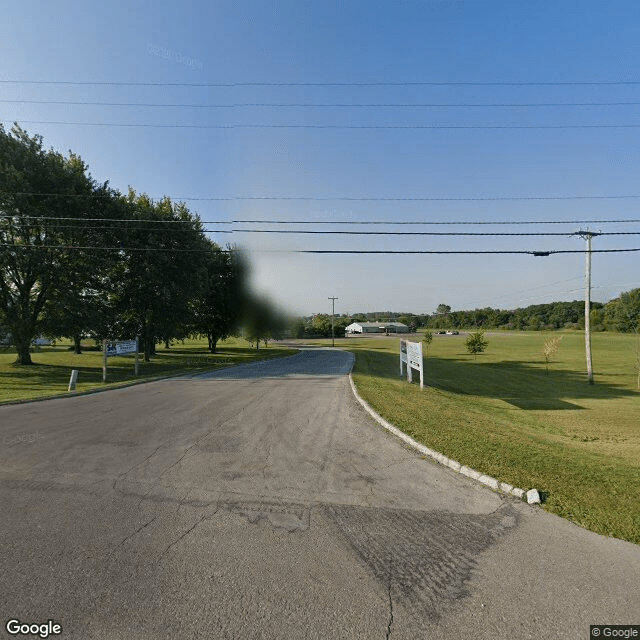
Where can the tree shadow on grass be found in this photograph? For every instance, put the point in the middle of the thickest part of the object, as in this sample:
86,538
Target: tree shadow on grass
522,384
54,377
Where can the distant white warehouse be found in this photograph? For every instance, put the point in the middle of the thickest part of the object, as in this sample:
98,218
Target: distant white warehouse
377,327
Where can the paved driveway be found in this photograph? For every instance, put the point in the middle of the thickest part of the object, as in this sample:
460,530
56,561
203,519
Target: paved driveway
263,502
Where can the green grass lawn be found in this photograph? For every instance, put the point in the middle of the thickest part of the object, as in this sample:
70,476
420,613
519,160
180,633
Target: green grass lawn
502,415
49,375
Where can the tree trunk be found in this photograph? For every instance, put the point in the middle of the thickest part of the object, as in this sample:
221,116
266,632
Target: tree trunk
213,342
77,347
147,349
167,343
24,355
23,335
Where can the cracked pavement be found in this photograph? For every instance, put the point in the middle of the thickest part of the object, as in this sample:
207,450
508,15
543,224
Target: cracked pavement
262,502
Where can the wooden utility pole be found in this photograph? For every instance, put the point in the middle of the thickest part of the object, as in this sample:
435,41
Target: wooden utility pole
587,235
333,313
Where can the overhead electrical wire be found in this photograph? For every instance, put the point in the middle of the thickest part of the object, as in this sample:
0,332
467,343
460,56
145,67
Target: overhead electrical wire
325,105
345,233
457,252
233,198
335,222
382,83
272,125
346,198
319,251
429,233
436,222
530,289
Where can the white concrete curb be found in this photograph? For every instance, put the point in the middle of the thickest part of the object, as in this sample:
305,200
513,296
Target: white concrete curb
532,496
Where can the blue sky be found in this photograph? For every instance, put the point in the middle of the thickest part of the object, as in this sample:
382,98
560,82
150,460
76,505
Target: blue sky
315,49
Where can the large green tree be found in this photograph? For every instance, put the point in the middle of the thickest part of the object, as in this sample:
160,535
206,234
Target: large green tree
220,302
262,321
623,313
47,203
159,271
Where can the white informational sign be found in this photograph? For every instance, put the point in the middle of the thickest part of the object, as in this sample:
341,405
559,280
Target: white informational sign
119,348
411,357
122,348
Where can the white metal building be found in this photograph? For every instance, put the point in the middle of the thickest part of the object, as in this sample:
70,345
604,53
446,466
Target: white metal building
377,327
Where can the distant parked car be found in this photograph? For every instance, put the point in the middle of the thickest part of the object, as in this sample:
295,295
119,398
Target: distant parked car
441,333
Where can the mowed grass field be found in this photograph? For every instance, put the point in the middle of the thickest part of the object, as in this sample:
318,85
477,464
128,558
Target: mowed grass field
49,375
502,415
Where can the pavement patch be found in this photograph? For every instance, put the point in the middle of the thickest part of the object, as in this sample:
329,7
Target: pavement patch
424,558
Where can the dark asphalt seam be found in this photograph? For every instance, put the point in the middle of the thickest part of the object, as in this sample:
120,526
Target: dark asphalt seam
138,530
184,453
188,531
390,606
182,500
122,475
266,462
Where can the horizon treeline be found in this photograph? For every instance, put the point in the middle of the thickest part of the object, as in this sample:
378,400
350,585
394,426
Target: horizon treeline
619,314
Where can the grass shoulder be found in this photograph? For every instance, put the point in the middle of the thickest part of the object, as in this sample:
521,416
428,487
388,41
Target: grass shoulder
49,375
505,416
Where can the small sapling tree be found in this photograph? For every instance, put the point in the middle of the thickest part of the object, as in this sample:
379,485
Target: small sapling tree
476,343
549,349
428,339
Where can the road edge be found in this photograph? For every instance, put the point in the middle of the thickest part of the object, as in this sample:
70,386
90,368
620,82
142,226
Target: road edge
133,383
532,496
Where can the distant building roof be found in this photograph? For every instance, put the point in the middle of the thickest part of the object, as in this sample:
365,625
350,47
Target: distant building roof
379,324
382,324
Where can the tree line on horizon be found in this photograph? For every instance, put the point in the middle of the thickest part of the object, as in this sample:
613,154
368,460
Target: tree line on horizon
619,314
79,259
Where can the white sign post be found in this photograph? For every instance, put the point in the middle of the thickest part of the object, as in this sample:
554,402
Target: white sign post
120,348
411,356
73,380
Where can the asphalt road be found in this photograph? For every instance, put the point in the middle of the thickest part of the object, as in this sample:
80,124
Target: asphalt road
263,502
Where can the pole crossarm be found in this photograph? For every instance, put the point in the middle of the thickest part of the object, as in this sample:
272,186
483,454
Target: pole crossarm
585,234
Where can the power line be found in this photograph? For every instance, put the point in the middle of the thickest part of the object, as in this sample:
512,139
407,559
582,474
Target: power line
400,83
428,233
436,222
137,220
325,105
530,289
232,198
383,251
340,222
346,233
103,248
337,126
319,251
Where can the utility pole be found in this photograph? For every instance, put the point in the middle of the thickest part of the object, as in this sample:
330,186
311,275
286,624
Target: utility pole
587,235
333,312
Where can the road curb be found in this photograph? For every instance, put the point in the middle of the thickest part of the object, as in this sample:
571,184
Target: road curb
454,465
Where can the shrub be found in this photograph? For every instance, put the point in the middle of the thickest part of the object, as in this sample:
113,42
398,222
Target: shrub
476,343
